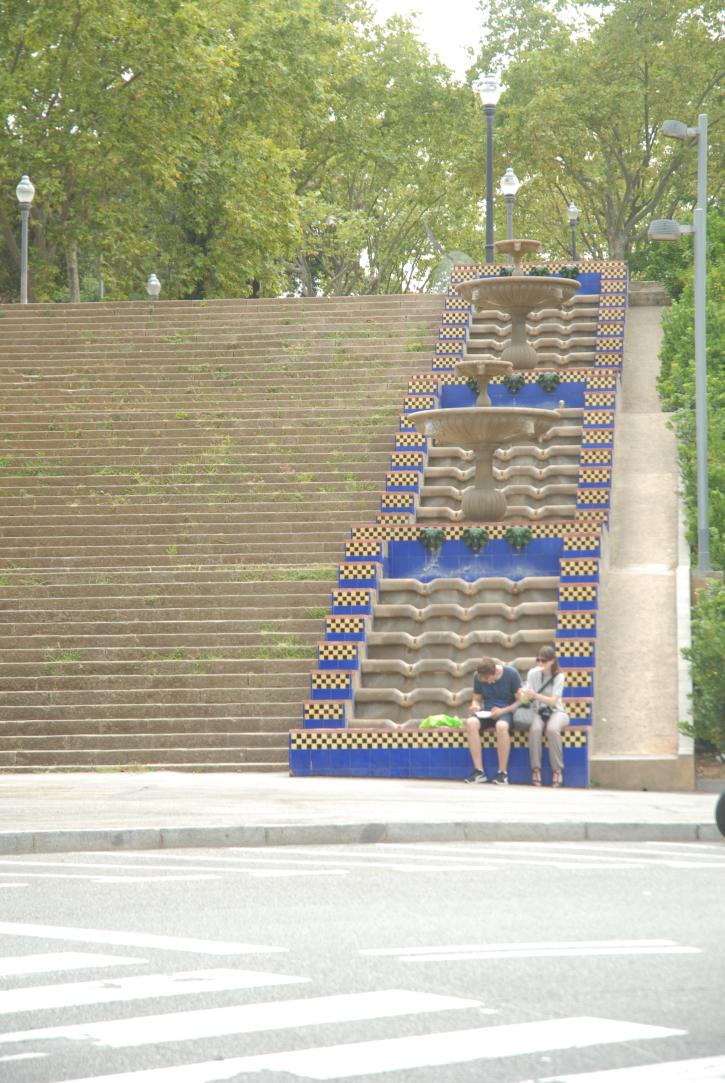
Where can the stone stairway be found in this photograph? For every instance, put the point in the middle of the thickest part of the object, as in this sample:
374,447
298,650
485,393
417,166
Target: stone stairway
177,482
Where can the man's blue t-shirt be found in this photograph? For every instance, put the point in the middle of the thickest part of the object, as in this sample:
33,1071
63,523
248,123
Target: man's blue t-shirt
501,692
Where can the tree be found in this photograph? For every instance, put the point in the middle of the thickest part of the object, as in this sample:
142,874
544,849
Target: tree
586,96
99,104
389,177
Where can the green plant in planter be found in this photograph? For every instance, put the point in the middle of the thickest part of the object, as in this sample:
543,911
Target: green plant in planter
569,270
538,272
514,382
505,272
472,384
548,381
518,537
475,537
432,538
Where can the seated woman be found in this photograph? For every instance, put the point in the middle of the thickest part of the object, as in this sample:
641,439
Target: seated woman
543,689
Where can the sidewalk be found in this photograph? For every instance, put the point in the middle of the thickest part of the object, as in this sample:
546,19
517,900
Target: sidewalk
159,810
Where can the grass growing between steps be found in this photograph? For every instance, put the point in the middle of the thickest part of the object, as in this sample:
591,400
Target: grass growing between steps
311,572
286,647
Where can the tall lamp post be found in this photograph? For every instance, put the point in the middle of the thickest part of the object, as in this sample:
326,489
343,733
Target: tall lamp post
573,213
25,192
489,91
665,229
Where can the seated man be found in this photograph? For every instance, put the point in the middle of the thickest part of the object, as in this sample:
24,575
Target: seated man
492,705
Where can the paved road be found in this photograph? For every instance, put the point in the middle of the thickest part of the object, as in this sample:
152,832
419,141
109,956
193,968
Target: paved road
430,963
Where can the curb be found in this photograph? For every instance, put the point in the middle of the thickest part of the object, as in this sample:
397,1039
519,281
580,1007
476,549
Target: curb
257,835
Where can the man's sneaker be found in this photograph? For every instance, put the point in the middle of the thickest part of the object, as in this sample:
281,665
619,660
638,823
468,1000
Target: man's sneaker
476,776
501,779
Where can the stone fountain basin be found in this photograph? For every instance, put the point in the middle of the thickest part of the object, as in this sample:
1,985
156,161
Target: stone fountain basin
483,367
519,293
473,426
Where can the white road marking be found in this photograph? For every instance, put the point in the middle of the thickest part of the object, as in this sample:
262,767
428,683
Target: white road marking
246,1019
268,874
397,1054
170,878
14,885
22,1056
701,1070
534,950
115,879
112,990
52,963
545,953
134,940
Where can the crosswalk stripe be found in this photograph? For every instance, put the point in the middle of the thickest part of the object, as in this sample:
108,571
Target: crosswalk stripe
397,1054
116,878
134,940
454,951
247,1018
54,962
184,983
544,953
700,1070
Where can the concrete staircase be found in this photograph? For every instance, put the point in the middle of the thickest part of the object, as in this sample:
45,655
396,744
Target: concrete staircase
177,481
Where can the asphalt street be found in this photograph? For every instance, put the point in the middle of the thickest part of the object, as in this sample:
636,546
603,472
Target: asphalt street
495,962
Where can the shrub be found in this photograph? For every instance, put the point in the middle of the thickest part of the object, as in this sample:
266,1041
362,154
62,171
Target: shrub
708,673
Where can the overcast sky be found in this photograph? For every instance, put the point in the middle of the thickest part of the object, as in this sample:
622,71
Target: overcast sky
447,26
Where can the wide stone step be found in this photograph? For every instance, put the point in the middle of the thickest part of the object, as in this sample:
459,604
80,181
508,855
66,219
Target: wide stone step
64,677
143,755
255,745
231,707
275,729
306,632
216,765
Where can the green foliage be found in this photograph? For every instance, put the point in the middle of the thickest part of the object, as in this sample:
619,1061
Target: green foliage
505,272
588,87
676,384
432,538
538,272
473,385
518,537
475,537
514,382
708,673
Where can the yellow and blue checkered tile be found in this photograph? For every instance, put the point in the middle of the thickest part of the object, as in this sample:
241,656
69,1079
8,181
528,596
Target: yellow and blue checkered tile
323,714
358,574
358,601
337,655
330,684
339,629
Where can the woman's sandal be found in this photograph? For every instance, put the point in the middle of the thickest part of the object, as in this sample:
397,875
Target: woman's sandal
557,780
535,777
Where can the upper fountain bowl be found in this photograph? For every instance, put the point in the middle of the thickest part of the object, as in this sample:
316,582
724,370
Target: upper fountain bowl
527,293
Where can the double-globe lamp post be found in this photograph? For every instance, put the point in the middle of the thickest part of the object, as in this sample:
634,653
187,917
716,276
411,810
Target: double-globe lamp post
25,192
489,91
665,229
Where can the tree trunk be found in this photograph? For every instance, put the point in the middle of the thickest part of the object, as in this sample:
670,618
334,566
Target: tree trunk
74,281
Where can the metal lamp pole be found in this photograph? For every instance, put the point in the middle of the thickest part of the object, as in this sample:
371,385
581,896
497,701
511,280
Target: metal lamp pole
25,192
490,92
666,229
573,213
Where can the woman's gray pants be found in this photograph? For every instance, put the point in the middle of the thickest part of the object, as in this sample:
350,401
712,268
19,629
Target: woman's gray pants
554,726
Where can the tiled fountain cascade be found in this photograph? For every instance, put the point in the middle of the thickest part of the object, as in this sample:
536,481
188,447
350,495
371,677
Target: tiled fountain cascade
376,667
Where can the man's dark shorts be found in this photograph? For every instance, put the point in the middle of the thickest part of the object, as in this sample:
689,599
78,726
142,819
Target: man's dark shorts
486,722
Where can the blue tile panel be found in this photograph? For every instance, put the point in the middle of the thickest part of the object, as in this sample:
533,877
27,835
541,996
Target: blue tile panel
423,754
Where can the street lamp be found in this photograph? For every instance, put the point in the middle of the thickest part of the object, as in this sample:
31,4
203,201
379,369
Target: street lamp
573,212
664,229
25,192
489,91
153,287
510,185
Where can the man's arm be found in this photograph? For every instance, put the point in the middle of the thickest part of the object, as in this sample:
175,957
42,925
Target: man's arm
475,704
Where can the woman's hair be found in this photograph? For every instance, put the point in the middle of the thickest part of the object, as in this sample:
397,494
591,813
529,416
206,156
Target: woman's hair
548,654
